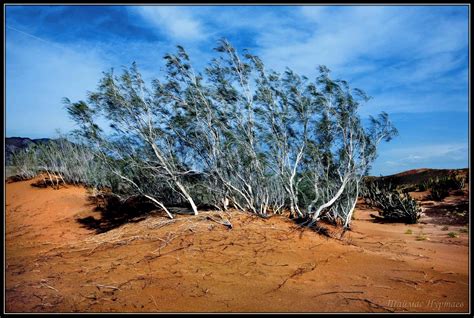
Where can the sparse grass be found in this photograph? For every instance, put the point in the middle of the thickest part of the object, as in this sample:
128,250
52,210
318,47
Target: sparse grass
422,237
464,230
453,234
445,228
409,231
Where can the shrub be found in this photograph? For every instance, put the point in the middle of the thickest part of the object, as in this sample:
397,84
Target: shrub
236,134
441,187
438,193
423,186
24,163
421,237
392,205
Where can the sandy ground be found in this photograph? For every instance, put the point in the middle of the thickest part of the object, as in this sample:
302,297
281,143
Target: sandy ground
194,264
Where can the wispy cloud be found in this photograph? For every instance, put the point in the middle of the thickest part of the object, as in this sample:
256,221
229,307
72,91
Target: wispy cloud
452,151
447,155
392,52
413,61
176,22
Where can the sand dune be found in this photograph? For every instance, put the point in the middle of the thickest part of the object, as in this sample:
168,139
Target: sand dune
194,264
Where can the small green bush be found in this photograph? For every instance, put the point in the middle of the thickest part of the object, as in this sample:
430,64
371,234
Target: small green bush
453,234
421,237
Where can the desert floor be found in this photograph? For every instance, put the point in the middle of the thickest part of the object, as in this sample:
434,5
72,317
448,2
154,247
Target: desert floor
54,263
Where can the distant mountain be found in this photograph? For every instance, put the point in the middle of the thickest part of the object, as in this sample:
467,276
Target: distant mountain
417,176
13,144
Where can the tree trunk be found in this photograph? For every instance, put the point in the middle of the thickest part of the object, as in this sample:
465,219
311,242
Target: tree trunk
187,196
330,202
349,216
172,174
160,204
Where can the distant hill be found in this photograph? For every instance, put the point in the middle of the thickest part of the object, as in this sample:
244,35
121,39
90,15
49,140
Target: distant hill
13,144
417,176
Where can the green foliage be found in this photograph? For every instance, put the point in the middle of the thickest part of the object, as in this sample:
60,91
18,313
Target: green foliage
63,162
438,192
423,186
441,187
261,140
453,234
421,237
393,206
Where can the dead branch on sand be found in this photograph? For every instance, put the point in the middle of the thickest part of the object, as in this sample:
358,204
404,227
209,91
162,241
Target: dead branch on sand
152,257
370,303
341,292
99,286
298,272
44,284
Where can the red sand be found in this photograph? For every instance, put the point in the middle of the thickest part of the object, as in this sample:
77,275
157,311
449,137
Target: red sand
193,264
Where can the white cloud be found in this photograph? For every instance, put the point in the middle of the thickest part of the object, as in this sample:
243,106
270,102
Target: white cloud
179,22
338,36
408,58
425,153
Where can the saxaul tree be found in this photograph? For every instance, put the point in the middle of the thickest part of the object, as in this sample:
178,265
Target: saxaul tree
61,161
139,141
285,107
236,135
25,163
344,148
215,120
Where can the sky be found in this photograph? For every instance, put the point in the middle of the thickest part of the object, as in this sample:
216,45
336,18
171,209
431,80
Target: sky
412,61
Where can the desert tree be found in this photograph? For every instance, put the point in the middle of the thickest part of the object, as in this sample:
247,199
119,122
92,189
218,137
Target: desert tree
139,140
24,162
215,119
62,161
344,148
236,134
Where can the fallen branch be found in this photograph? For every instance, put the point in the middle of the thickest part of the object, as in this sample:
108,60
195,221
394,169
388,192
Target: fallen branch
43,283
106,286
371,303
341,292
274,264
151,257
225,222
298,272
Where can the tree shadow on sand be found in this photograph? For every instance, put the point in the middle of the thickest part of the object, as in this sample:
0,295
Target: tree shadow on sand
305,223
454,212
115,212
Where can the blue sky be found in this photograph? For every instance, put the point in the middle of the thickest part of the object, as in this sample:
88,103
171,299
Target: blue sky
413,61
